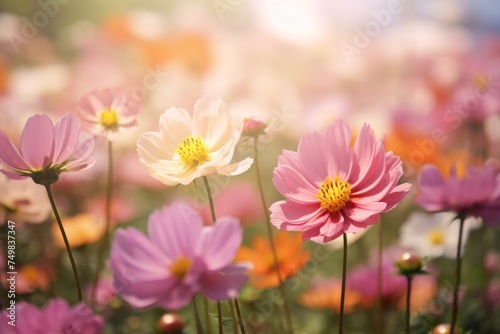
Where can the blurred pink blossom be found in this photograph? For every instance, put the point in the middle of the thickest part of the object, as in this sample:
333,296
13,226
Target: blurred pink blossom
477,193
179,258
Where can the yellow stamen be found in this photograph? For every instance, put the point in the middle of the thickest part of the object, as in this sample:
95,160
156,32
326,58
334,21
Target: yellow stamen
180,267
109,118
334,194
193,151
436,237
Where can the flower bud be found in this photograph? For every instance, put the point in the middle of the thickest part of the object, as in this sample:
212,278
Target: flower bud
170,323
443,329
409,264
253,127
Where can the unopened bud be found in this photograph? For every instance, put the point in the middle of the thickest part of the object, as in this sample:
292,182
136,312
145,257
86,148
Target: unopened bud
410,264
170,323
253,127
443,329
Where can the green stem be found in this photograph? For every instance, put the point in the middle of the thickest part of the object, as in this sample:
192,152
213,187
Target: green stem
219,317
240,319
378,311
409,278
233,316
458,269
66,242
199,329
271,239
210,199
342,293
214,220
207,316
107,213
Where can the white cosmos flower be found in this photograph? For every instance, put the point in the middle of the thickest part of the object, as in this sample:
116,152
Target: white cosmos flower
188,147
434,234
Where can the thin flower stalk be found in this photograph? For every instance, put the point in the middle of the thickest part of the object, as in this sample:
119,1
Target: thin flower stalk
66,243
342,293
271,239
214,220
107,214
458,270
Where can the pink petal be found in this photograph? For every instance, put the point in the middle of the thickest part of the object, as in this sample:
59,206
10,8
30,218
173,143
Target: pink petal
134,258
145,294
176,298
220,242
10,156
175,229
360,213
82,157
219,286
66,132
295,213
430,180
396,196
333,228
13,175
312,156
37,141
293,185
338,149
56,310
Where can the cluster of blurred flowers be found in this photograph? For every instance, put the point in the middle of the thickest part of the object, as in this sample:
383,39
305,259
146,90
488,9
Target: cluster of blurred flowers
165,209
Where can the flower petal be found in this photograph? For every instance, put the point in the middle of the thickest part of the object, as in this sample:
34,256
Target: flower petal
175,229
220,243
82,157
66,132
37,141
10,156
221,286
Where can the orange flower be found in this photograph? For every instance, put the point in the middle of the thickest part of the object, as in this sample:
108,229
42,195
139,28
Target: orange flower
291,257
81,229
326,295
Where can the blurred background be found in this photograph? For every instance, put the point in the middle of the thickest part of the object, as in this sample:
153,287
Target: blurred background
424,74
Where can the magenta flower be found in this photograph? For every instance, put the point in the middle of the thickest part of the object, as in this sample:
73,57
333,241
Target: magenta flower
476,194
107,112
47,150
56,317
180,258
333,188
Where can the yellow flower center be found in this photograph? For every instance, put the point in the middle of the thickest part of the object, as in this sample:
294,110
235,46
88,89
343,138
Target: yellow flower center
436,237
109,118
334,194
180,267
193,151
481,81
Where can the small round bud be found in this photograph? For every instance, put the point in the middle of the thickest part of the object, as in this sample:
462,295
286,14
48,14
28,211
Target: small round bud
170,323
409,264
443,329
253,127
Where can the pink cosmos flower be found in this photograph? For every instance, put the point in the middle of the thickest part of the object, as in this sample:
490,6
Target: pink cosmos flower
56,317
180,258
47,150
107,112
333,188
475,194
